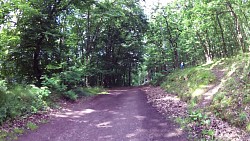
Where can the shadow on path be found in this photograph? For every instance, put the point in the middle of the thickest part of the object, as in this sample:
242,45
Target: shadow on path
122,115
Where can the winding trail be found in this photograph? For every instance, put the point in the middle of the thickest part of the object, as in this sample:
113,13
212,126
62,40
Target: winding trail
212,89
122,115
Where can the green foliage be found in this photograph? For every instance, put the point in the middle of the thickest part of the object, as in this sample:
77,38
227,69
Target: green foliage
67,84
199,119
31,126
11,135
18,130
89,91
157,79
55,83
248,127
20,100
70,95
69,45
231,101
3,135
192,82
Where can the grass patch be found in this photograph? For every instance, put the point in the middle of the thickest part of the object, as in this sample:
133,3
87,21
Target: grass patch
11,135
89,91
31,126
3,135
18,130
189,83
232,101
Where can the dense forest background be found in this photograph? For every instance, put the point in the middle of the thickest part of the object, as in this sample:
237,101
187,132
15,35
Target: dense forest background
84,42
196,32
113,43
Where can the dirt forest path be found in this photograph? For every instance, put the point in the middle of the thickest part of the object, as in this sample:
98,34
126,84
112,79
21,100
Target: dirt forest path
122,115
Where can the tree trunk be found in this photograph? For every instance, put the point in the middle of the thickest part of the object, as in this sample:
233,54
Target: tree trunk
240,37
222,35
205,47
36,60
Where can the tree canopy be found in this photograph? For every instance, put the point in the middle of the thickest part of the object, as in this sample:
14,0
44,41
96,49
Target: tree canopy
114,43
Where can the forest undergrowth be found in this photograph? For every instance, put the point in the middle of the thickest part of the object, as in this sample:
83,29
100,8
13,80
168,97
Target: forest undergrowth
225,114
24,107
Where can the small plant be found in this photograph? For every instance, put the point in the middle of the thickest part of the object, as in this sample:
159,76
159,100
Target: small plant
248,127
201,121
18,130
3,135
181,121
31,126
196,115
71,95
9,136
209,133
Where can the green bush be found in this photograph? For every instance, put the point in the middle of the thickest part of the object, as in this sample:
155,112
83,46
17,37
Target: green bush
21,100
55,83
70,95
157,79
63,84
67,85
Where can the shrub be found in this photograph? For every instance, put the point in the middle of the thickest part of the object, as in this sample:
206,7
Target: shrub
63,84
71,95
31,126
21,100
157,79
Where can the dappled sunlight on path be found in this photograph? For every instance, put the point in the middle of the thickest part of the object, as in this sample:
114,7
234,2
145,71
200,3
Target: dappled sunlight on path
210,90
120,115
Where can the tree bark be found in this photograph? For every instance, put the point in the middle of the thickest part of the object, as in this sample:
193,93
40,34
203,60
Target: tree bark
206,48
240,37
222,35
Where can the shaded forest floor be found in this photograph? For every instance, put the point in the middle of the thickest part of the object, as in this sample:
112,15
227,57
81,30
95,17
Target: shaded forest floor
217,95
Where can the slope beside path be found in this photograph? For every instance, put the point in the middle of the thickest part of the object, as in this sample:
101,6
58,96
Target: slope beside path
122,115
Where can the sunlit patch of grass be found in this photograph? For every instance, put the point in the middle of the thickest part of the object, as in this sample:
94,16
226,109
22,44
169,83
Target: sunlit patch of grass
95,90
31,126
3,135
232,100
248,127
198,92
89,91
189,83
18,130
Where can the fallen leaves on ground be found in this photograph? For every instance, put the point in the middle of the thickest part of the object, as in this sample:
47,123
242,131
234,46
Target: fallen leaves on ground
171,106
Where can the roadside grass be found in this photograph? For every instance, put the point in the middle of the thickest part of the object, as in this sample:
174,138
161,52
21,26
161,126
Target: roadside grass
19,101
89,91
190,83
15,132
231,102
31,126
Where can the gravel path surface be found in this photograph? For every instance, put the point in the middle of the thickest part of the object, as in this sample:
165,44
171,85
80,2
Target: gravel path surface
122,115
